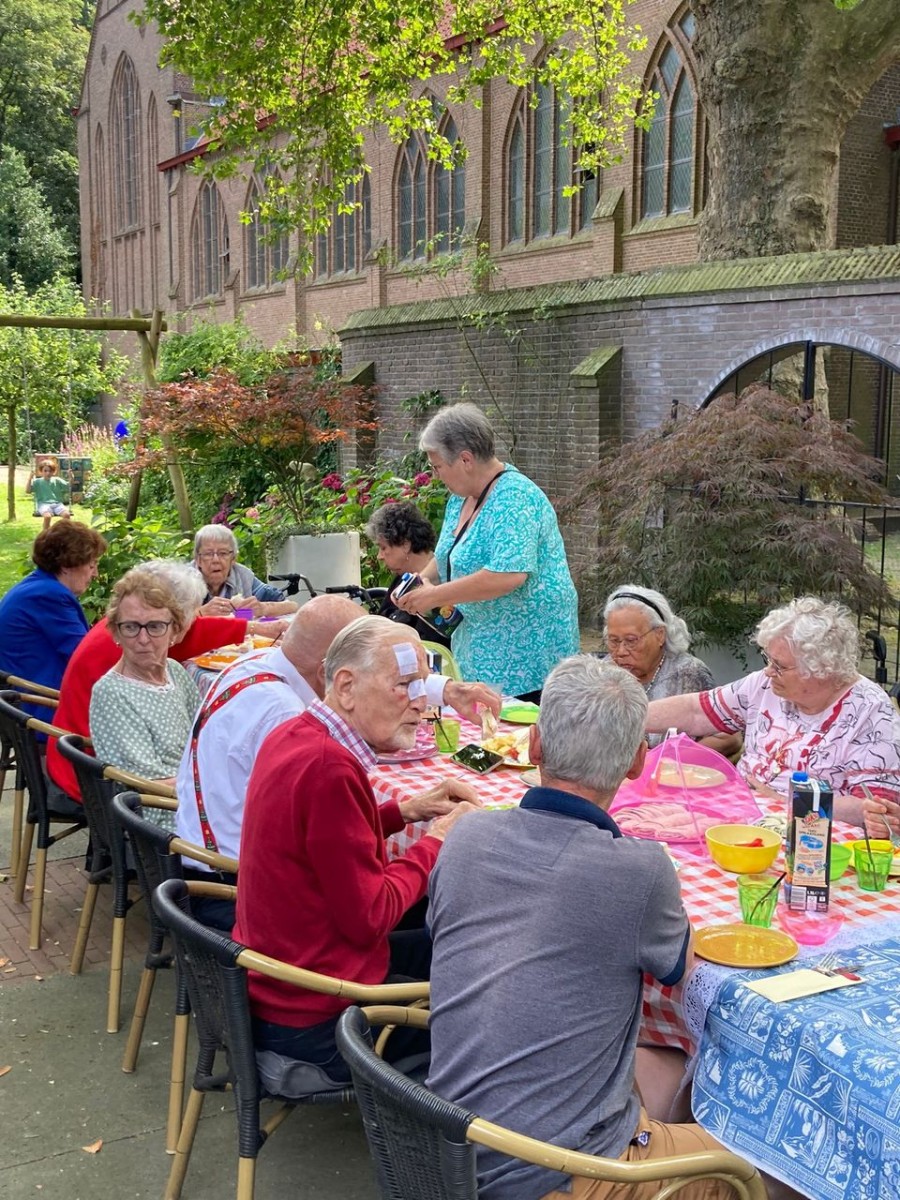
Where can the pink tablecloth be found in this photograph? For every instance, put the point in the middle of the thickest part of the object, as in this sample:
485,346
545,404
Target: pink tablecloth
710,894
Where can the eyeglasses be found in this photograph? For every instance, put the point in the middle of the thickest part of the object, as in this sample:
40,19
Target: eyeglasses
207,555
776,668
627,643
131,629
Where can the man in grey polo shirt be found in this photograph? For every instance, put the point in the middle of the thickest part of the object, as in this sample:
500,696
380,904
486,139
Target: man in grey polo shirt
544,919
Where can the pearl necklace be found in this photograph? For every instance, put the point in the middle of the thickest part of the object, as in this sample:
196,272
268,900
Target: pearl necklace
659,665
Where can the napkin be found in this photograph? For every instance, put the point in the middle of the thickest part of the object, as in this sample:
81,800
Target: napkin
802,982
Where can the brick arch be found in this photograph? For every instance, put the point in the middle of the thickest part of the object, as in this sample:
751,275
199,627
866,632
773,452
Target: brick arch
874,347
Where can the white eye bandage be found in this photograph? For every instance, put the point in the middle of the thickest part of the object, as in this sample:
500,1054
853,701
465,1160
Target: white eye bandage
407,659
416,689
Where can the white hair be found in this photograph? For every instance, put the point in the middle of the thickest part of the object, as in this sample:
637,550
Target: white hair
457,428
358,644
822,636
215,533
591,723
658,611
186,585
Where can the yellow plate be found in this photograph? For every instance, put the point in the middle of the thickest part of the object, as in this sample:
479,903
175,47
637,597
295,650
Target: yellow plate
744,946
690,775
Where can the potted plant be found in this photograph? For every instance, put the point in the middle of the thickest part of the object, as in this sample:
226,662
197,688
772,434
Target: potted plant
731,511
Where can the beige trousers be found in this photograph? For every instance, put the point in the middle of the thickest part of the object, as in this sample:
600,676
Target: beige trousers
664,1141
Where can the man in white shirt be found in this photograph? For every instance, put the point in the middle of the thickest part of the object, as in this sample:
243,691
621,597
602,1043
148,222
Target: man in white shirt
254,696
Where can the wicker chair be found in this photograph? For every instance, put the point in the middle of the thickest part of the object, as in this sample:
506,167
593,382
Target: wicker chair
37,693
21,730
425,1146
216,967
157,855
98,783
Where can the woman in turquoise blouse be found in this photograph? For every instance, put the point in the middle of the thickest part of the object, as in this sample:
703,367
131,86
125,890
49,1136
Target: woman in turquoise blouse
500,559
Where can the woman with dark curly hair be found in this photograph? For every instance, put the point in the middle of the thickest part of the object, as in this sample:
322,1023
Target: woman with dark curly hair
406,542
41,620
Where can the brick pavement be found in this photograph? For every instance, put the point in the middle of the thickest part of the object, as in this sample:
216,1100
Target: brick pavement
63,898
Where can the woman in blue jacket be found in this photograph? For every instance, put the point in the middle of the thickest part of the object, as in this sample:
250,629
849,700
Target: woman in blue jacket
41,620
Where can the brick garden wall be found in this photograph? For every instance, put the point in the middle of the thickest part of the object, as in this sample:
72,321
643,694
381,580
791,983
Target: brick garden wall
670,349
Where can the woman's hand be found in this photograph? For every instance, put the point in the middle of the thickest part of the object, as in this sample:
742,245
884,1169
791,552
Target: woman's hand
416,600
879,815
218,606
256,607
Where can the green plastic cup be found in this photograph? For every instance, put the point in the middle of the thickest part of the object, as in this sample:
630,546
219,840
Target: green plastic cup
446,735
872,868
758,895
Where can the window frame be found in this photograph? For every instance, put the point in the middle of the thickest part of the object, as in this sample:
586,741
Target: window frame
538,166
125,127
210,249
674,43
351,232
263,258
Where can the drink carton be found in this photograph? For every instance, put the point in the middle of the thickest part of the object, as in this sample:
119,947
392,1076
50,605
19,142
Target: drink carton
808,849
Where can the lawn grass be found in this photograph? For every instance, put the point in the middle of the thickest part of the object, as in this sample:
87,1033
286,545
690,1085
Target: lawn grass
16,536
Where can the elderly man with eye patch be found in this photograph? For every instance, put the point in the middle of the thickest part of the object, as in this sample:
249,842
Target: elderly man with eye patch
316,887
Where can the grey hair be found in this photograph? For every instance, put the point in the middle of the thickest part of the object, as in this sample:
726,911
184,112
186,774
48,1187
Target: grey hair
456,428
186,584
677,636
358,644
822,636
214,533
591,723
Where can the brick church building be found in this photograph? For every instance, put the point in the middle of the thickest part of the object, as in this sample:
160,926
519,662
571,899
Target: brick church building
599,316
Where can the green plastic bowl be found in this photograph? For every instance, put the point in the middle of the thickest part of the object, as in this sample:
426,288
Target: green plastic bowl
841,853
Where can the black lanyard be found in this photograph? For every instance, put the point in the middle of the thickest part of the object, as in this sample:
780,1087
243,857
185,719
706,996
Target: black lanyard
478,503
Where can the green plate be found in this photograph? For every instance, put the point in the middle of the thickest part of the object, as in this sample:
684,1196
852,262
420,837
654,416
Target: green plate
523,713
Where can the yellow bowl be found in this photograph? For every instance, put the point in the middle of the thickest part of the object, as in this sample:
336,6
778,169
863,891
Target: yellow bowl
725,846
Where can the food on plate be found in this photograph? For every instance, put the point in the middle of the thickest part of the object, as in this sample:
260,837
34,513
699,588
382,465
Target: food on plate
671,773
513,746
659,820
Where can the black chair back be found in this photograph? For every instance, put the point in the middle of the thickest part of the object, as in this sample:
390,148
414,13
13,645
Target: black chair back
14,729
416,1139
153,862
107,840
217,989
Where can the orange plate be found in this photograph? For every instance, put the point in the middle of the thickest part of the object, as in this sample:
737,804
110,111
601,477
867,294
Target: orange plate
744,946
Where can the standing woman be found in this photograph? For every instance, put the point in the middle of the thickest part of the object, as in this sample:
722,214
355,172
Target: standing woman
41,620
500,559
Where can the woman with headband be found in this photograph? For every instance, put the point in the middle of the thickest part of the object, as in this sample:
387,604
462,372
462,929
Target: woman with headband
644,637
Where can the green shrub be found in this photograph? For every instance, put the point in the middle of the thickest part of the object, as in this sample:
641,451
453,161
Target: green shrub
152,534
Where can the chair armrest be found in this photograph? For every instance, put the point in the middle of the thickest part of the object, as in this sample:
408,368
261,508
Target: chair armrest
136,783
218,862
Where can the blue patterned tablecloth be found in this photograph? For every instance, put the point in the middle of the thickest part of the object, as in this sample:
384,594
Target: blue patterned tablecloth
809,1090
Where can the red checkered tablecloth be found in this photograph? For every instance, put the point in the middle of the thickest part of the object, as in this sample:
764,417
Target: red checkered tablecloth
710,894
399,781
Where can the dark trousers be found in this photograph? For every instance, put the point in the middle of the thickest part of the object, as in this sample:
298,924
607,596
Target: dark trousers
410,959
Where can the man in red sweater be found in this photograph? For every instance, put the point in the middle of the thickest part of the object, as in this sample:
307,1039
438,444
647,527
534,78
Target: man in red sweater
317,888
96,653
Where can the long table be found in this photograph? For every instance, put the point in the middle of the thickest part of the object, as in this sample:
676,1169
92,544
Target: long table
808,1090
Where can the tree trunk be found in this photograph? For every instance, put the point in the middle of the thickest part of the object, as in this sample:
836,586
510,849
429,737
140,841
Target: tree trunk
12,450
779,80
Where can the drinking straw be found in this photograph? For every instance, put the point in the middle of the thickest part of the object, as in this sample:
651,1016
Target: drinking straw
766,894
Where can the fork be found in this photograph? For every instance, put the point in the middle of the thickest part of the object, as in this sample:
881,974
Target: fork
826,964
894,838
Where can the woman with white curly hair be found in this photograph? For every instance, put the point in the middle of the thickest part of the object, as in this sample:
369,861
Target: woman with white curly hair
809,709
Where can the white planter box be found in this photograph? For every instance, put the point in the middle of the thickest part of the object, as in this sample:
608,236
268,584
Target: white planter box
327,560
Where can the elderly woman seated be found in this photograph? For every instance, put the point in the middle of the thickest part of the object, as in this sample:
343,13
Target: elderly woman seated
645,637
143,708
229,585
809,710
